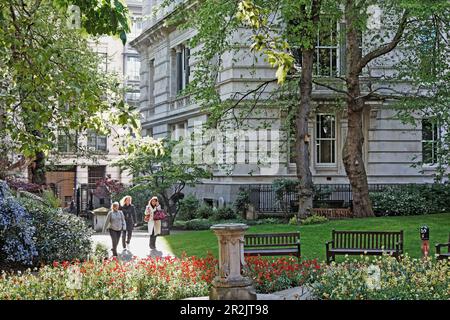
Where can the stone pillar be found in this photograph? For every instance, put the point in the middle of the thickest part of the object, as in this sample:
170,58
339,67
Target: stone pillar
230,284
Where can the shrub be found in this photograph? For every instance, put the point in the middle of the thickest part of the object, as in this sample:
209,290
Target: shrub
314,219
17,232
225,213
198,224
405,279
241,203
293,221
101,252
188,207
204,212
50,199
179,224
59,236
416,199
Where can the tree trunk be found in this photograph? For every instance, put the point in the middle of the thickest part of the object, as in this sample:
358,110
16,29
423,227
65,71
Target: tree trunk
38,169
302,137
353,147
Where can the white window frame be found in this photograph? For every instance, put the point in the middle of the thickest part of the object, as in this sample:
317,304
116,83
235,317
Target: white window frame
439,130
318,139
136,68
91,135
178,130
329,48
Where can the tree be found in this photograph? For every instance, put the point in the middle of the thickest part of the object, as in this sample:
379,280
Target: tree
215,23
287,39
153,166
50,82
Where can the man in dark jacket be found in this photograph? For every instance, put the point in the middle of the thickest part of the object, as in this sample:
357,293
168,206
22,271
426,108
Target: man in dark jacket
129,212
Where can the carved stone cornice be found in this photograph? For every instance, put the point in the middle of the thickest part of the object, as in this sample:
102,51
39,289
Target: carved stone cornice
151,37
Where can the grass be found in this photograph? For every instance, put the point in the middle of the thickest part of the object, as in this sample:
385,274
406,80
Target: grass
313,237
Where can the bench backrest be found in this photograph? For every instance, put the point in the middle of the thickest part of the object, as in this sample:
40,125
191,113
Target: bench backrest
367,239
273,239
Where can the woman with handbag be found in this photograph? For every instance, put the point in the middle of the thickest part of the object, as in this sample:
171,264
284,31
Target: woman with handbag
115,223
153,215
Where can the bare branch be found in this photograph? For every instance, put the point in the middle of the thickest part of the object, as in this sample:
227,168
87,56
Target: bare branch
388,47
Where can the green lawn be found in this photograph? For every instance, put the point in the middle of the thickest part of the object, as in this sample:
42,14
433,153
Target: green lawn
313,237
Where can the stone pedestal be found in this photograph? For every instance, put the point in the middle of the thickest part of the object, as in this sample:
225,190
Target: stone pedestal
229,283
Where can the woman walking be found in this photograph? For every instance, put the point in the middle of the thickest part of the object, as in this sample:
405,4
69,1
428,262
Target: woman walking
129,212
115,223
154,226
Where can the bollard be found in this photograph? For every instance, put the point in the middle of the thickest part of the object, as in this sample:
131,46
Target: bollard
230,284
425,237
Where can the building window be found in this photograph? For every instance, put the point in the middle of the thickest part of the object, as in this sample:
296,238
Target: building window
97,142
178,131
430,141
326,55
183,55
136,27
67,143
95,173
151,85
326,139
132,68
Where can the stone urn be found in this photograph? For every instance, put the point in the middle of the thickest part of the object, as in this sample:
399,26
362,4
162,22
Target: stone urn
230,284
100,218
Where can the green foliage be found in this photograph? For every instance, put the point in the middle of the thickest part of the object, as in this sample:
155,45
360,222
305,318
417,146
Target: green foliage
282,187
155,165
188,208
293,221
51,76
101,17
411,199
403,279
242,201
314,219
101,252
199,224
225,213
204,212
59,236
51,199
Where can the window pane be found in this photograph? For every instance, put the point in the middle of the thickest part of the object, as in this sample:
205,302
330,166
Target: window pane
427,152
326,151
427,130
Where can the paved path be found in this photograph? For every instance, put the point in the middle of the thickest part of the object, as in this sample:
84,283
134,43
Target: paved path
139,246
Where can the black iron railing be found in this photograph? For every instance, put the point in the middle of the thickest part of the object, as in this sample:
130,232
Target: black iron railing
265,200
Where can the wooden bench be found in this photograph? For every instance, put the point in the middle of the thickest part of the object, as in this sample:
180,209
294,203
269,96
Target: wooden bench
274,244
443,255
364,242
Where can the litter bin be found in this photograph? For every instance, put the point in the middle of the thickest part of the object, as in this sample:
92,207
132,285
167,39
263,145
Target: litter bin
100,218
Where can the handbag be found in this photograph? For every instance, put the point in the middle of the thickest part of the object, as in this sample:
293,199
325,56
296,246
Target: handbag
147,216
159,215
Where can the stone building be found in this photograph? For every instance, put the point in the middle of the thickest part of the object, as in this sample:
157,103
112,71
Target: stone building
390,149
71,175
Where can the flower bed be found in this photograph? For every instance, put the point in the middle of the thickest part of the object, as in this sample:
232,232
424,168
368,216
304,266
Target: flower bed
384,278
151,278
279,274
158,278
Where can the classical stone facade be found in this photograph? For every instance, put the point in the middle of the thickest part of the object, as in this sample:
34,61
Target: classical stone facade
390,148
68,173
